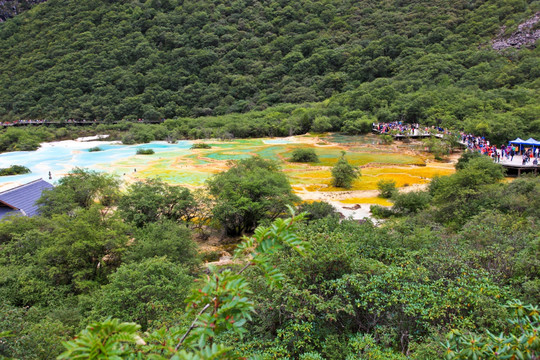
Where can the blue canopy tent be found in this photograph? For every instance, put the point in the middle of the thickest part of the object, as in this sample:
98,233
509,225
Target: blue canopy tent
528,142
531,141
535,144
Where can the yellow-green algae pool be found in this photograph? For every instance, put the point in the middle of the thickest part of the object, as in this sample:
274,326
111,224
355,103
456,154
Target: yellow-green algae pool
406,164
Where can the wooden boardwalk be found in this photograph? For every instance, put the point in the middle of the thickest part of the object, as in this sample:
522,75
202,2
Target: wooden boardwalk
513,168
74,123
422,135
516,167
419,135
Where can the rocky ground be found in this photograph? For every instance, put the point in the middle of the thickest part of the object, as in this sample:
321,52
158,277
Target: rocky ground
10,8
525,36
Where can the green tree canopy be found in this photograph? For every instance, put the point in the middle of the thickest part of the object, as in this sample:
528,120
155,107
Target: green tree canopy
251,190
80,188
304,155
151,200
343,173
64,254
165,238
142,292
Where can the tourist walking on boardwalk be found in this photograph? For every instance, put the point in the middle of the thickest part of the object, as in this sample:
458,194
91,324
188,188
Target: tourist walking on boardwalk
526,157
512,153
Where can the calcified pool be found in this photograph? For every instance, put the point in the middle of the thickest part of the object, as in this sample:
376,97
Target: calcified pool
178,164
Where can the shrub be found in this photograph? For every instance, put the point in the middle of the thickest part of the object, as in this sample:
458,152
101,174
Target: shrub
411,202
387,188
164,238
143,291
387,139
81,188
14,170
521,339
250,191
210,256
317,210
145,151
343,173
304,156
128,139
380,211
465,158
437,147
95,148
200,146
152,200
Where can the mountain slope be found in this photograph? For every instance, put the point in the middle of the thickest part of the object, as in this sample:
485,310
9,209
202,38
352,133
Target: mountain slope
168,58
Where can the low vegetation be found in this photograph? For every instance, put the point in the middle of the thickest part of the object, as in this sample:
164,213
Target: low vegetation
200,146
145,151
250,191
451,262
343,173
95,149
14,170
304,156
317,210
387,188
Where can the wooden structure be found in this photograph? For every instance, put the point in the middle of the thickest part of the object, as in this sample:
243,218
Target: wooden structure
423,135
74,123
517,170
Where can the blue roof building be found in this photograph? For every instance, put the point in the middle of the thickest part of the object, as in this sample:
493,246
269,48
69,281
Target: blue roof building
22,199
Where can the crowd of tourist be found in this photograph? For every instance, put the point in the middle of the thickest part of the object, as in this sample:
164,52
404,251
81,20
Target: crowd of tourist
399,128
23,122
504,153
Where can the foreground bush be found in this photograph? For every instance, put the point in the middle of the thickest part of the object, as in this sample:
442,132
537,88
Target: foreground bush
381,212
317,210
144,291
522,341
221,304
465,158
81,188
251,190
411,202
152,200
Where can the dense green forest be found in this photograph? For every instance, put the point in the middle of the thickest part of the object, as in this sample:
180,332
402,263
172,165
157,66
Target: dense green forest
416,60
448,259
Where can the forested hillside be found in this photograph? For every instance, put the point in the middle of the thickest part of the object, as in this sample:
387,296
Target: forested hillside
409,60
